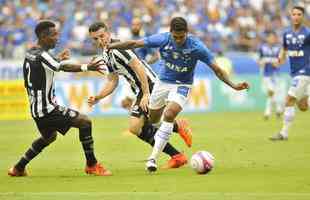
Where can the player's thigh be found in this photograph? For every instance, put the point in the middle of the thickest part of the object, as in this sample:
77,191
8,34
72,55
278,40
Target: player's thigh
298,88
60,119
180,95
159,95
136,124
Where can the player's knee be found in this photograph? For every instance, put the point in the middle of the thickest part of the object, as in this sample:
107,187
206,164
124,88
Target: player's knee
303,106
85,121
170,115
134,130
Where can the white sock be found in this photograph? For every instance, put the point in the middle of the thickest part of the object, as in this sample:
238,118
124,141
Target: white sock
268,106
161,139
289,114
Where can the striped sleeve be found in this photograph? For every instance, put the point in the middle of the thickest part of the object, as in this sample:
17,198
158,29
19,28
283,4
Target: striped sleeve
49,62
125,55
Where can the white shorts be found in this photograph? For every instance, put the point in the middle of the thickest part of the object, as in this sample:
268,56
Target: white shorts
165,92
270,83
300,87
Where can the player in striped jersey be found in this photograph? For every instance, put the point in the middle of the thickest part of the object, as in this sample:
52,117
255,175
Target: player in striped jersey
141,79
39,68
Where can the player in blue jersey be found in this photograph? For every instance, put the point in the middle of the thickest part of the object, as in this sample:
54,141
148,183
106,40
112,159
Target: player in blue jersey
180,53
296,44
268,53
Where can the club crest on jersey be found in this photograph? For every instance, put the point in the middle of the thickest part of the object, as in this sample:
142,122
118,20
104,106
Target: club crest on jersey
175,55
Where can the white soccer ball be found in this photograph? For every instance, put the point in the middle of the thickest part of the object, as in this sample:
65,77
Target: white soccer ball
202,162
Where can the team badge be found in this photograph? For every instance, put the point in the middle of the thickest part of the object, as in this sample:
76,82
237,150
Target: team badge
175,55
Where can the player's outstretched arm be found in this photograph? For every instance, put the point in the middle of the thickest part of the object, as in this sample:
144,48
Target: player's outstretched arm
94,65
130,44
224,77
107,90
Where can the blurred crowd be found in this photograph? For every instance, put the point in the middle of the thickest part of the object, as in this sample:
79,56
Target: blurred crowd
224,25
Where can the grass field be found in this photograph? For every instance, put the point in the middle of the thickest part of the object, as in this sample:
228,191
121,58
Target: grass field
248,166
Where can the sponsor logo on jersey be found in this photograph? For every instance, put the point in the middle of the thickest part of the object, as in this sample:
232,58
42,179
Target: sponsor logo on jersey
296,53
176,67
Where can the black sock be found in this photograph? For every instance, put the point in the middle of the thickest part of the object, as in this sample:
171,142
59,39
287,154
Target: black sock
147,134
175,127
37,146
88,145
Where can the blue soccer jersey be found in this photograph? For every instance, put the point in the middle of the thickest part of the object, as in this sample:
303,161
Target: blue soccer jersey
297,45
269,54
179,61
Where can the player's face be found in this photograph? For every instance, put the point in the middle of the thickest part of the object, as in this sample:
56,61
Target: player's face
179,37
271,39
136,26
297,17
101,38
51,38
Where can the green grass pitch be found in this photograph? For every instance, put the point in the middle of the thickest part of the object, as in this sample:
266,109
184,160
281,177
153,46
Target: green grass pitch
247,165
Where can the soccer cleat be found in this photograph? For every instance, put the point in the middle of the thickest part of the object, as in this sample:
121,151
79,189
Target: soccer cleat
278,137
151,165
185,131
15,172
97,170
176,161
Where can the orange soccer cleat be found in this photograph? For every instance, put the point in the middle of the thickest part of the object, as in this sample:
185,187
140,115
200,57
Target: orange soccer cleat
97,170
176,161
15,172
185,131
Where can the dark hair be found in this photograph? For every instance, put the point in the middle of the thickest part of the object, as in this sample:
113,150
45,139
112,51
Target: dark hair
43,27
96,26
178,24
302,9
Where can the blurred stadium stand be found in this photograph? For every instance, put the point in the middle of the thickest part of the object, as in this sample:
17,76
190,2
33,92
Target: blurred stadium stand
225,25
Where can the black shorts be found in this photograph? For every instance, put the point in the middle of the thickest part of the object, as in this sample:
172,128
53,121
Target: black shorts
60,119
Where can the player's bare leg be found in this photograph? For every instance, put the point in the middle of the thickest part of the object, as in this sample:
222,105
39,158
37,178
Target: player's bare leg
303,103
289,115
163,134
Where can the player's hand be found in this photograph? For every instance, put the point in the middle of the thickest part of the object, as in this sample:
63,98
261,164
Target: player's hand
92,100
64,55
95,64
242,86
275,64
145,102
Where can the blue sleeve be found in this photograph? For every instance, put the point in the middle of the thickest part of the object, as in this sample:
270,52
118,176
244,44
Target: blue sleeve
154,41
205,55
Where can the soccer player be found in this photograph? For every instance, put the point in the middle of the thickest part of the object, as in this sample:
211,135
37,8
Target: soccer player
180,53
147,54
296,44
268,53
141,78
39,69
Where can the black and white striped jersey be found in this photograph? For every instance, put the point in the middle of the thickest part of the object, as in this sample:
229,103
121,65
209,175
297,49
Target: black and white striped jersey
118,62
38,68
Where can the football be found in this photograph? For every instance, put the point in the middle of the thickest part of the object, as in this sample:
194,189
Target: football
202,162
